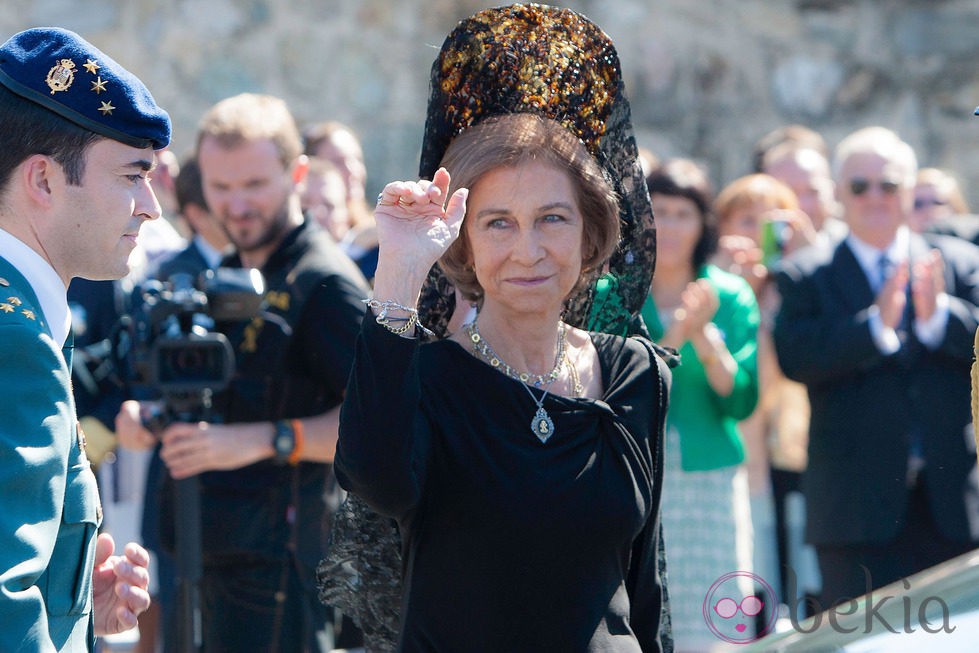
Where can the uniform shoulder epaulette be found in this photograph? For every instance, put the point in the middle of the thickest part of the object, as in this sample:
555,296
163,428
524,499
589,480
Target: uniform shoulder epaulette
15,308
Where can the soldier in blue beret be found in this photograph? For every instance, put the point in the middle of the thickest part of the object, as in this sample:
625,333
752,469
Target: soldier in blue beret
78,135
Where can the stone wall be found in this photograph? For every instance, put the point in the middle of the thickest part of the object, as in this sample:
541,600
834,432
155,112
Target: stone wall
706,77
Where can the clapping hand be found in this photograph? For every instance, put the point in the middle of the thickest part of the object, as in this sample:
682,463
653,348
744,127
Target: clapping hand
892,297
927,284
698,304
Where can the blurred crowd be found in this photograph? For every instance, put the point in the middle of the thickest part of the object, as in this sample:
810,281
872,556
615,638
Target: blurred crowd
812,437
815,404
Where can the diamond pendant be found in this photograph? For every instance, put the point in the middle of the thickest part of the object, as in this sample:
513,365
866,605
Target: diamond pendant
541,425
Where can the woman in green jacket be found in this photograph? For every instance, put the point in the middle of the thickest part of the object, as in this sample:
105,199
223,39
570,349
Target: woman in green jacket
711,317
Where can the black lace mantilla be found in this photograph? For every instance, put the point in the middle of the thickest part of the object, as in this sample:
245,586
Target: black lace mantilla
558,64
361,574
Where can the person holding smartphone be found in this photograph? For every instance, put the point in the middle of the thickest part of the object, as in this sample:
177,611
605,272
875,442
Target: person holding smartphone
760,223
880,328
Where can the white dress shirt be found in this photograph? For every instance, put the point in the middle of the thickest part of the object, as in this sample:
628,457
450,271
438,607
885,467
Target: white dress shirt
931,332
212,255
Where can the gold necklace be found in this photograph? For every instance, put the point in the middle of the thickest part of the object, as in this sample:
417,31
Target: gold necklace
481,347
577,389
542,425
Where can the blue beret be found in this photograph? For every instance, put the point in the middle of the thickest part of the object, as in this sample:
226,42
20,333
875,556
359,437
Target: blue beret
63,72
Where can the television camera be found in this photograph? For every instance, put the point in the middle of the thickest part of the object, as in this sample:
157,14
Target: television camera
167,347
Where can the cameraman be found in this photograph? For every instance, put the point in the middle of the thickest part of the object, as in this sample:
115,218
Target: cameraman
264,471
204,252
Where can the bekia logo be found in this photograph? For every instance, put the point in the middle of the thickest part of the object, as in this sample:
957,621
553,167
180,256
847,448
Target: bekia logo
731,615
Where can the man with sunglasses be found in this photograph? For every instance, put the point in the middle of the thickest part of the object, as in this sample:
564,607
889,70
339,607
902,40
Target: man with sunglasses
879,326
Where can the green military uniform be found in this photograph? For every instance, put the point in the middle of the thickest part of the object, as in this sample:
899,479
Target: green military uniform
54,85
47,535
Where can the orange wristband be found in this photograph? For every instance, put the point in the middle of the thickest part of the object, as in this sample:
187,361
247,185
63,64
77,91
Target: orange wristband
297,451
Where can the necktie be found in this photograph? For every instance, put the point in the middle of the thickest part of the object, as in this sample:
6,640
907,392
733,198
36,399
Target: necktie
916,461
885,267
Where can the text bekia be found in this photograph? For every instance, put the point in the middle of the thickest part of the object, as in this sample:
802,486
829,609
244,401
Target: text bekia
842,619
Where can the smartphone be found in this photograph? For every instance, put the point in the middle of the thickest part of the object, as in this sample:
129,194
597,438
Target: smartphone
774,234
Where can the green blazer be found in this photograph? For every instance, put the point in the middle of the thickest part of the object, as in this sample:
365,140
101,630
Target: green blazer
50,507
708,423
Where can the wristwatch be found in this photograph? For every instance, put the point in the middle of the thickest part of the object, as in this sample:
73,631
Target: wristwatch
284,441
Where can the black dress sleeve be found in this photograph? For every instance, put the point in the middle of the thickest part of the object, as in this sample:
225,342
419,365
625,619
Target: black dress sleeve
646,582
382,448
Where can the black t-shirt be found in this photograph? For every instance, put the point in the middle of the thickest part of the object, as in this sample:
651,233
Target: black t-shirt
292,361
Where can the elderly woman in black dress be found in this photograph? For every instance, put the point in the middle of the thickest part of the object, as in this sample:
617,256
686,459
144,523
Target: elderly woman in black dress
521,457
514,456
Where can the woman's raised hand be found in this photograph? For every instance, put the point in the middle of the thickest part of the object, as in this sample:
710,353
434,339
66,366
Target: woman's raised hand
415,224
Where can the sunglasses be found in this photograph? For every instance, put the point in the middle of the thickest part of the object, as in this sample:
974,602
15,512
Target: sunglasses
860,185
923,202
727,608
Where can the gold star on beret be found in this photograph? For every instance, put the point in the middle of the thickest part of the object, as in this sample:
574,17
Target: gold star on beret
29,314
107,108
6,308
98,85
15,301
91,66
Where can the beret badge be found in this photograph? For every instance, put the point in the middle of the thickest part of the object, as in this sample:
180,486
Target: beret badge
61,76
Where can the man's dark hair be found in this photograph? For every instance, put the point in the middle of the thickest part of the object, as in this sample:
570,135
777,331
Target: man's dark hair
188,186
27,128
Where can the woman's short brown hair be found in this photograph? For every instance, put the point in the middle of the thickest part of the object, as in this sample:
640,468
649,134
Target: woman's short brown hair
510,140
753,189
